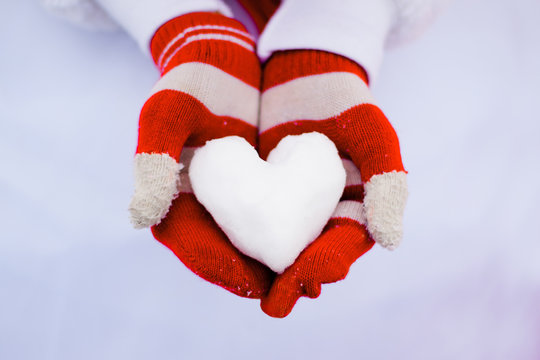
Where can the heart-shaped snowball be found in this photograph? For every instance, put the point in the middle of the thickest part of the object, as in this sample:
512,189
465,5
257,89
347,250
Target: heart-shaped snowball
270,210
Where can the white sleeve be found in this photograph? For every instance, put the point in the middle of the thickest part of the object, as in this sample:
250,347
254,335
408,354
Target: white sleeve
84,13
412,18
140,18
357,29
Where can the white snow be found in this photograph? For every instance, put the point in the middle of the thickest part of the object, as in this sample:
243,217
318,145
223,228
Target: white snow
270,210
78,282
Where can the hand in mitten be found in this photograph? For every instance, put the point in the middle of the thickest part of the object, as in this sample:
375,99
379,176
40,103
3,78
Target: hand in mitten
209,89
308,90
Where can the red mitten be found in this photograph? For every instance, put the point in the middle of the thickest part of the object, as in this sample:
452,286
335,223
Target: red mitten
209,89
309,90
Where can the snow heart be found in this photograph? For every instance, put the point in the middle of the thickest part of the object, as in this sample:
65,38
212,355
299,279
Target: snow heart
270,210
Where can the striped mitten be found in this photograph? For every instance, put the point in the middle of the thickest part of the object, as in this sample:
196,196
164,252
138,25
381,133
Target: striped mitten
209,89
309,90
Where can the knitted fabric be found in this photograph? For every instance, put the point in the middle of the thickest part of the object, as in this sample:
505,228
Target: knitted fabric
209,89
305,91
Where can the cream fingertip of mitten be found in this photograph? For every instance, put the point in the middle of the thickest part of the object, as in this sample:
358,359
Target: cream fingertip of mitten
384,205
157,181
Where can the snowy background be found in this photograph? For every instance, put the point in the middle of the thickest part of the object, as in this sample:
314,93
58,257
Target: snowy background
76,282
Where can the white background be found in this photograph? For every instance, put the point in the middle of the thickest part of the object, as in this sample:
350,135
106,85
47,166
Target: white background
76,282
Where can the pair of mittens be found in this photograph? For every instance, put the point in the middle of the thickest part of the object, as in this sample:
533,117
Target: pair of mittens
210,88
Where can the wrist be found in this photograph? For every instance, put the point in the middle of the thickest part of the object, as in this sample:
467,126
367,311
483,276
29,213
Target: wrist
356,29
291,64
207,38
